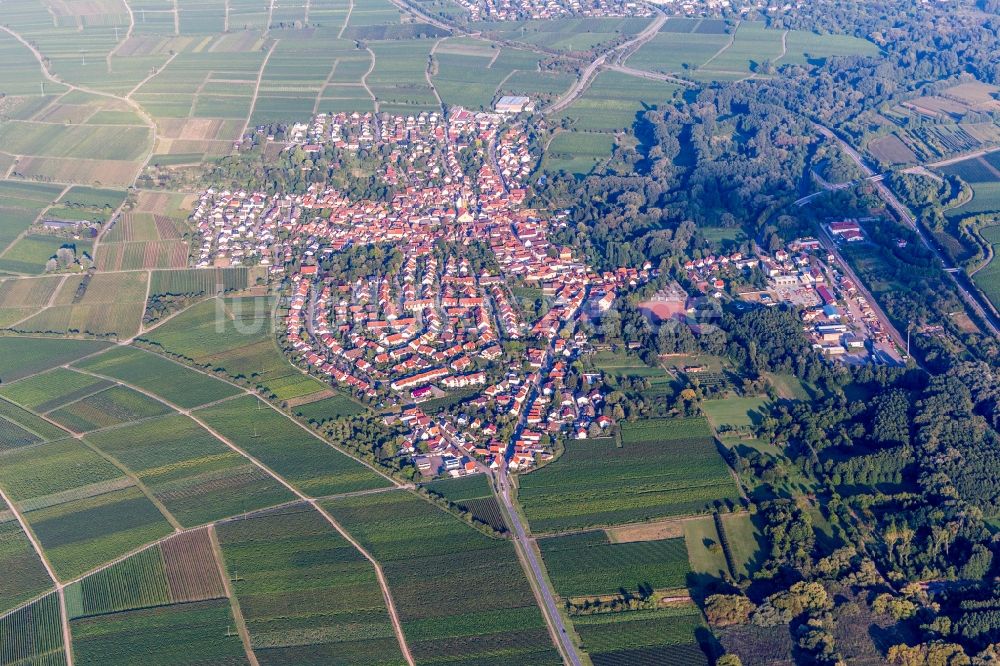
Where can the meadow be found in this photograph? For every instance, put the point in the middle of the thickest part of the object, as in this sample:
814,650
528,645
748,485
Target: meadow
196,477
735,413
160,376
703,50
665,637
588,564
459,593
988,278
613,101
30,253
235,335
308,596
307,462
664,467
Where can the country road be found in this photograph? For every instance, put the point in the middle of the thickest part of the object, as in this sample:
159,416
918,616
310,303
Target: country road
904,214
523,545
583,82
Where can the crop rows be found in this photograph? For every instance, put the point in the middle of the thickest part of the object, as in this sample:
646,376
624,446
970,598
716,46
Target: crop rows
305,592
162,377
587,564
312,465
113,406
23,356
596,483
459,593
664,636
83,510
181,569
198,478
234,335
23,573
50,390
472,494
198,281
33,634
29,421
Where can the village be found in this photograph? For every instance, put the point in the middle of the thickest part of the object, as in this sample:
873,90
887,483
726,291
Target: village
513,10
433,325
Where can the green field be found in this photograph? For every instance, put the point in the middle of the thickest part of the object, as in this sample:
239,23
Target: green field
308,595
19,427
162,377
328,409
112,406
587,564
472,494
20,357
307,462
33,634
52,389
988,278
234,335
643,637
613,101
198,478
24,574
83,510
704,546
736,413
665,467
460,595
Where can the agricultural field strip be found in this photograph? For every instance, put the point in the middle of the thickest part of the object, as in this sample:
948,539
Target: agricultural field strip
243,391
42,62
60,587
137,481
386,593
243,516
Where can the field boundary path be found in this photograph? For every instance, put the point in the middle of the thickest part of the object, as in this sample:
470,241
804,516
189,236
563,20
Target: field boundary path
60,586
128,34
234,603
347,19
256,88
386,593
364,79
732,38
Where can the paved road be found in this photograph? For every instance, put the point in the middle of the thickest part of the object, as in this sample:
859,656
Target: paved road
656,76
523,544
904,214
587,76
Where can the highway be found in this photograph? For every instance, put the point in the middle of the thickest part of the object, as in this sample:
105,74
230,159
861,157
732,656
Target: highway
904,214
